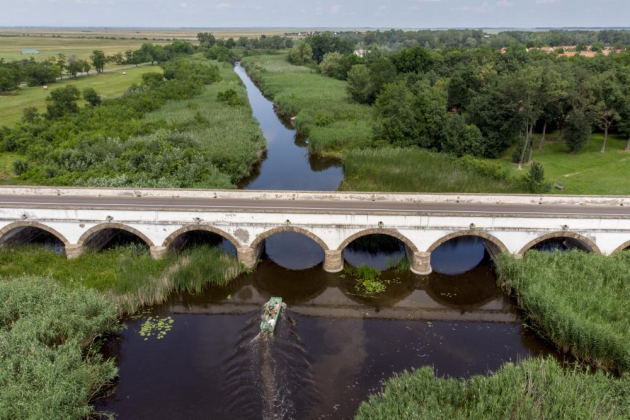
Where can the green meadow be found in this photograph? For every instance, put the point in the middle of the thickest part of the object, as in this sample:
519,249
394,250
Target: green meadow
107,84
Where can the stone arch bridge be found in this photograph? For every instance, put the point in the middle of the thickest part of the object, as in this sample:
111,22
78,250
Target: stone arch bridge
513,224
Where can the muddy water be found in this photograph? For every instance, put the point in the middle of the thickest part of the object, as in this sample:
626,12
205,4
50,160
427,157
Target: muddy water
333,345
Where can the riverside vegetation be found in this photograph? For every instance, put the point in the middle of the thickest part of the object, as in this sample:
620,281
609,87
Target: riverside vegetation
463,99
576,300
53,320
171,131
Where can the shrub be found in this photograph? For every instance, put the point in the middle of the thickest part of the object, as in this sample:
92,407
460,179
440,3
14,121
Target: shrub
535,179
230,97
20,166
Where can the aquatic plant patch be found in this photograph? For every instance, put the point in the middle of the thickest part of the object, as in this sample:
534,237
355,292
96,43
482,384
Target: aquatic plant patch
155,326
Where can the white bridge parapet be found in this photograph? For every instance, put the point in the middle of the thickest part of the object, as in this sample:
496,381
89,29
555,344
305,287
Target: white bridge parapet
422,222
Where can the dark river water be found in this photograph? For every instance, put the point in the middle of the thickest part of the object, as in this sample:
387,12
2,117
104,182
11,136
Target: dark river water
333,345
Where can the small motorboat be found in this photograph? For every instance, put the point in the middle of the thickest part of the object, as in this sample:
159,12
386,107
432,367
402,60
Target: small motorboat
271,314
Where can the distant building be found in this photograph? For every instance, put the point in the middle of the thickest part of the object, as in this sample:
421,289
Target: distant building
360,53
26,51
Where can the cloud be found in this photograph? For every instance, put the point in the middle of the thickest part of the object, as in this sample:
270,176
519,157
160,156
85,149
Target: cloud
334,10
548,1
223,6
504,4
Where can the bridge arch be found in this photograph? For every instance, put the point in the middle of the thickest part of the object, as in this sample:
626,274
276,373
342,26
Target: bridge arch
203,228
562,234
16,225
260,238
116,226
621,247
379,231
490,238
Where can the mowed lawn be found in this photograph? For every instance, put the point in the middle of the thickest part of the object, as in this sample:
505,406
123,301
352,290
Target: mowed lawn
81,48
107,84
586,172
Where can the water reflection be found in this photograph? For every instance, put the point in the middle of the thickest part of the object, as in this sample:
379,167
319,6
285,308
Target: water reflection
458,255
376,251
287,164
334,346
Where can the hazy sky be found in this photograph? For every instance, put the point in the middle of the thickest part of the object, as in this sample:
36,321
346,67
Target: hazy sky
316,13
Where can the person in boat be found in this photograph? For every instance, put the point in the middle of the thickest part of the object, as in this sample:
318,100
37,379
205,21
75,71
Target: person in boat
272,322
276,307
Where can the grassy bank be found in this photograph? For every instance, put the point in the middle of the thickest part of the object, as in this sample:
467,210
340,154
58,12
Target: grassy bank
587,172
410,170
578,300
535,389
47,333
230,135
319,103
107,84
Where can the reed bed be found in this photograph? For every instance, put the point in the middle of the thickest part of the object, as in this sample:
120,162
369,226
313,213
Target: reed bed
535,389
416,170
126,275
580,301
320,104
48,369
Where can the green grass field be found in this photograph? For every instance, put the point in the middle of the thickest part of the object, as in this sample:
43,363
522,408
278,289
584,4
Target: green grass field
49,47
587,172
320,104
107,84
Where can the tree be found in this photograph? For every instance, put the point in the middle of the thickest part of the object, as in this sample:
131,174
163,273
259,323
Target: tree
74,68
91,97
62,101
462,139
535,179
85,66
98,60
38,74
413,60
359,84
327,43
300,54
608,97
9,79
577,130
206,40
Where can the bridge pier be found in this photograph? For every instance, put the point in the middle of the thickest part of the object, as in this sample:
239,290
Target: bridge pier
158,252
74,251
333,261
249,256
421,263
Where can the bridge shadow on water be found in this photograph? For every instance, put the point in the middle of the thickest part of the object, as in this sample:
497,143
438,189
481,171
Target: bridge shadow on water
333,346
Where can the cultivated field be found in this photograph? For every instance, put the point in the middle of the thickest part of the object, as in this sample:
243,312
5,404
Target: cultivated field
48,46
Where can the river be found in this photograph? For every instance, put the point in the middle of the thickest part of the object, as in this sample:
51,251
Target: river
333,346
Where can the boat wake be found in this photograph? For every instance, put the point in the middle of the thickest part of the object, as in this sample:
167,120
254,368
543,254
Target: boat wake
269,375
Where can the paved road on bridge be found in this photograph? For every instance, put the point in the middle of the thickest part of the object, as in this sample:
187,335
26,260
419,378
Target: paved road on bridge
317,206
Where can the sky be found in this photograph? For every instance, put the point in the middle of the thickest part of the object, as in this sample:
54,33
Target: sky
316,13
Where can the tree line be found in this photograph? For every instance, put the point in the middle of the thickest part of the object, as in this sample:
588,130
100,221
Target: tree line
46,72
481,101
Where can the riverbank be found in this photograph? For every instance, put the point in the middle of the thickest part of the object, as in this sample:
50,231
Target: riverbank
534,389
64,308
577,301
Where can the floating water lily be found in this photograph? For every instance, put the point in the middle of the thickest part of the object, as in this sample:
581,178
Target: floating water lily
156,326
